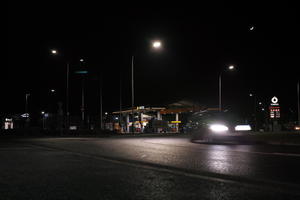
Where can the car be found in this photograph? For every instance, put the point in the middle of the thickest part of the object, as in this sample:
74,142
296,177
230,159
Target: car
218,126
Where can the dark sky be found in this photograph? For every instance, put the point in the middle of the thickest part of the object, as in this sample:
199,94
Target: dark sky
199,41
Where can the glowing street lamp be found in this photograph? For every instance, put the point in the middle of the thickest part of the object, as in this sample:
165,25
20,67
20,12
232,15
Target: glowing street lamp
230,68
156,44
254,110
53,51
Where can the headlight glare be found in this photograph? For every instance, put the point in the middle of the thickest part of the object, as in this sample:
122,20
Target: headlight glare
218,128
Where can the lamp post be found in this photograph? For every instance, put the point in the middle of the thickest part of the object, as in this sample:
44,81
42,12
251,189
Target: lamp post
101,109
55,52
26,102
155,45
298,103
254,110
231,67
43,119
82,96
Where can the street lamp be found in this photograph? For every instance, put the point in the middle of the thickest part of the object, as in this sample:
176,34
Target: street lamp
26,102
298,103
55,52
231,68
254,113
43,118
155,45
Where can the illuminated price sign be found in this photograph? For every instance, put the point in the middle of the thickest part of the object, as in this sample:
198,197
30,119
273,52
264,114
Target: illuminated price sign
274,108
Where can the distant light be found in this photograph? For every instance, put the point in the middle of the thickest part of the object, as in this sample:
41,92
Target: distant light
52,90
81,72
250,95
43,112
105,113
81,60
260,103
117,118
231,67
8,119
25,115
53,51
156,44
262,109
243,128
251,28
218,128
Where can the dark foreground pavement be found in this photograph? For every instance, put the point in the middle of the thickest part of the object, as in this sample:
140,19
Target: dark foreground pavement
146,168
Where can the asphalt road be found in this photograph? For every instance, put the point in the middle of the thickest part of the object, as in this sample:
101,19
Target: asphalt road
146,168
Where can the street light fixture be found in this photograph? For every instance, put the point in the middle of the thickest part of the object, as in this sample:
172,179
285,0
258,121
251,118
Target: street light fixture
254,110
155,45
55,52
230,68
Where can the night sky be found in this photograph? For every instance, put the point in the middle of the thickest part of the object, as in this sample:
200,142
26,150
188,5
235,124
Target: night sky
198,42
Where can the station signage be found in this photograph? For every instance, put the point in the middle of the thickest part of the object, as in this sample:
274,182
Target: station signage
175,122
274,108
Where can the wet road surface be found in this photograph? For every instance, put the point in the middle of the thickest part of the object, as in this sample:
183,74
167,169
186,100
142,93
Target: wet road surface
146,168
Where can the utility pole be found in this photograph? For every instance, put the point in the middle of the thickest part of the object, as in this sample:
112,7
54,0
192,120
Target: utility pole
298,103
120,114
26,102
220,92
100,91
132,92
67,98
255,118
82,100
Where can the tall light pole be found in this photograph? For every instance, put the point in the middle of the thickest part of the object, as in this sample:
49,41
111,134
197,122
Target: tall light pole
155,45
254,110
101,111
26,102
55,52
43,119
298,103
120,103
132,93
231,67
82,97
67,97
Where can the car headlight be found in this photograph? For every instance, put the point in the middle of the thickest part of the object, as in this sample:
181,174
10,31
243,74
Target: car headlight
243,128
219,128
